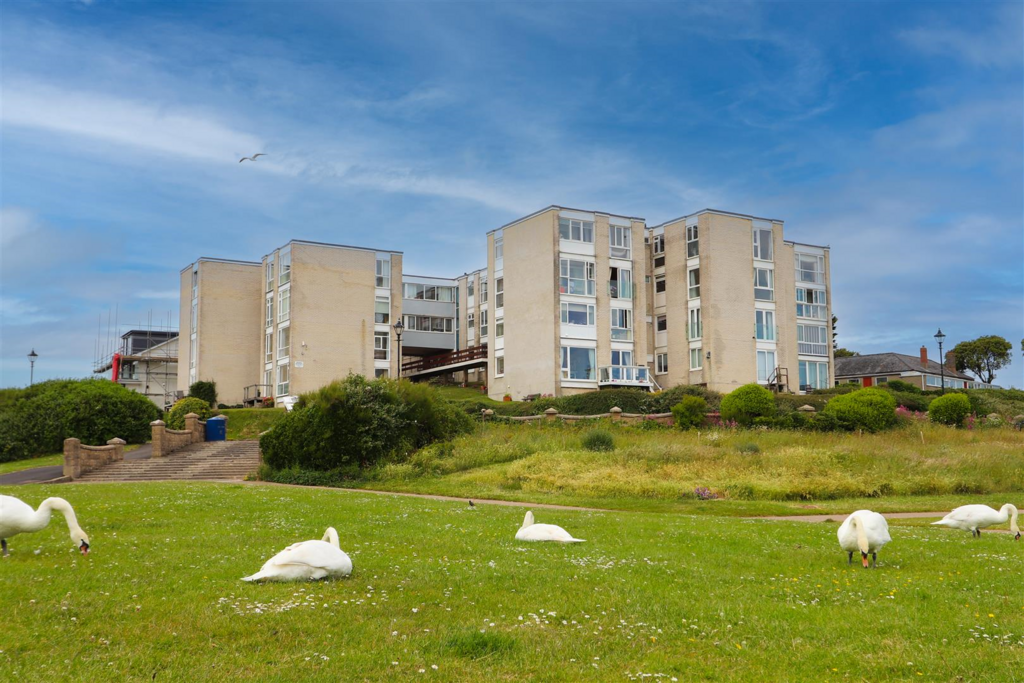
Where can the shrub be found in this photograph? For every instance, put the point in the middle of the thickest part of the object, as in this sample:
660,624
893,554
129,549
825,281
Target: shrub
206,391
663,401
951,409
689,412
748,447
598,440
749,401
903,387
917,402
598,402
787,403
871,409
189,404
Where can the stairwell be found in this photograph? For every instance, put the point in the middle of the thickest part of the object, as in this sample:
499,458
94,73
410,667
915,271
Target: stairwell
212,460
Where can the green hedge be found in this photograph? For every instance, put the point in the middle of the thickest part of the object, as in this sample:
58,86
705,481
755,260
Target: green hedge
690,412
951,409
35,421
746,403
189,404
870,409
204,390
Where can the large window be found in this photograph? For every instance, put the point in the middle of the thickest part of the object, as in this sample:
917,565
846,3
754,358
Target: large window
764,325
284,342
576,277
692,248
694,280
384,272
282,379
620,283
382,310
270,309
620,240
622,358
499,292
812,339
696,327
432,323
577,314
578,363
483,322
286,267
765,365
428,292
380,345
622,324
813,375
932,381
696,358
810,303
810,268
575,230
764,284
661,363
284,304
762,244
270,274
268,346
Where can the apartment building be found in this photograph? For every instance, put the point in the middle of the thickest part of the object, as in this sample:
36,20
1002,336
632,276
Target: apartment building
471,326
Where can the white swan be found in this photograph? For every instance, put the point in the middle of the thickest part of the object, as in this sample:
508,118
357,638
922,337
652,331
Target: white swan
543,532
307,561
974,518
18,518
864,531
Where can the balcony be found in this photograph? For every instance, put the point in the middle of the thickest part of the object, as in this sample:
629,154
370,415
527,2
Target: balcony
623,376
620,290
812,349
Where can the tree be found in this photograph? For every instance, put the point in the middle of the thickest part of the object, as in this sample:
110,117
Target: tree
835,319
983,356
844,353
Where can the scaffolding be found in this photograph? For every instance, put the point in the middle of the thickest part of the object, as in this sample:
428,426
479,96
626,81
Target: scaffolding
143,357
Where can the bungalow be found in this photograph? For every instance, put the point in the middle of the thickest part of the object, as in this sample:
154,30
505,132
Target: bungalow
879,368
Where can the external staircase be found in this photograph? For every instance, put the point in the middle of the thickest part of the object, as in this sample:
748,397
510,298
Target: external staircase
211,460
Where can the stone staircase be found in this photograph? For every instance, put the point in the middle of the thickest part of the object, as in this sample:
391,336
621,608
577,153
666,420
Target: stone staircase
213,460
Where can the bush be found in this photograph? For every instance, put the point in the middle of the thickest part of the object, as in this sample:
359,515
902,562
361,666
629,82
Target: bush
748,447
662,401
689,412
788,403
917,402
356,422
598,440
951,409
901,386
871,409
35,421
749,401
599,402
206,391
189,404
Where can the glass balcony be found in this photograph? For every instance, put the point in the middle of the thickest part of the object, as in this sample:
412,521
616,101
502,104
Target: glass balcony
623,375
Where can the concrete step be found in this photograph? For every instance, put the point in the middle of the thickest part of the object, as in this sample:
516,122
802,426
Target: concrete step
221,460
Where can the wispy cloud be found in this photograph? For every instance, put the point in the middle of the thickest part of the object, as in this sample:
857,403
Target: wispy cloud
999,44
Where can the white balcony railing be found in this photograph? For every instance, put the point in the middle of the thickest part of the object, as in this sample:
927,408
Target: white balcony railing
812,349
624,375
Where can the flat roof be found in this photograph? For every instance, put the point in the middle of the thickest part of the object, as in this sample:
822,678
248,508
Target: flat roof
562,208
329,244
429,277
718,211
807,244
220,260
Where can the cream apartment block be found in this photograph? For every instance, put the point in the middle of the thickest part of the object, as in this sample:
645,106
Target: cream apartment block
569,301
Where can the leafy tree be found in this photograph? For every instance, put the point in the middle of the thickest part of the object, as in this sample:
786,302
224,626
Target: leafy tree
983,356
844,353
835,321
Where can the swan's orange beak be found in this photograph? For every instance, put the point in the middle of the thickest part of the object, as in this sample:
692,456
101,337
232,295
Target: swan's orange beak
84,548
864,560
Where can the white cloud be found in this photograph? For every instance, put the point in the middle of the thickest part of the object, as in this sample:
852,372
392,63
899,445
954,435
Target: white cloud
158,294
20,312
999,46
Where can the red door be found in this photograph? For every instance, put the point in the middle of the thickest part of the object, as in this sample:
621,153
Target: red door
866,381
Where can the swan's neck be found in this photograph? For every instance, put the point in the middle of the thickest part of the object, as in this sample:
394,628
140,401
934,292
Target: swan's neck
62,506
1010,511
528,520
862,537
331,536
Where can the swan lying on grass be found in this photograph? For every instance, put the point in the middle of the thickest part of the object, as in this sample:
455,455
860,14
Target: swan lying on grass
864,531
974,518
531,531
18,518
307,561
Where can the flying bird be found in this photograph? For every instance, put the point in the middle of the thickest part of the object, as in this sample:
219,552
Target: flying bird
252,158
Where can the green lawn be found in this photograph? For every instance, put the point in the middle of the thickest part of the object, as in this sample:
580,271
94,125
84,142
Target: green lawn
42,461
248,423
436,585
464,394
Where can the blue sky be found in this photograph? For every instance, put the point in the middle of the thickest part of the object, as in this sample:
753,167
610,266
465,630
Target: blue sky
890,131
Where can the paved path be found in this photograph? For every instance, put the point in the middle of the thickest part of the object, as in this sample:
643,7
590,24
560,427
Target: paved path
41,475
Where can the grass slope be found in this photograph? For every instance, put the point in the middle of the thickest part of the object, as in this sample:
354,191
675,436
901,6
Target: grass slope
41,461
248,423
436,585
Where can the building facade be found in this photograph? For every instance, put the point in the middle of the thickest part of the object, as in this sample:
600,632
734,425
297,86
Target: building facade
881,368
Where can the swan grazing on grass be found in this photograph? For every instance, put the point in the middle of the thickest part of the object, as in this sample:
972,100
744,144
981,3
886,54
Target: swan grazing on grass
864,531
974,518
531,531
18,518
307,561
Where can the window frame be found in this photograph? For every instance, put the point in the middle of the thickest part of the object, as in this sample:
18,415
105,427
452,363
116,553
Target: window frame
499,366
764,314
570,224
284,275
760,246
499,292
693,288
769,370
379,346
591,313
692,241
284,334
620,237
695,324
770,288
382,272
661,363
697,358
623,331
660,323
284,304
589,279
283,369
567,353
378,317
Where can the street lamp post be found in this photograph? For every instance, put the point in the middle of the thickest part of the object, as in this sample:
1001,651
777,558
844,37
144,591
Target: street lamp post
942,362
32,367
399,327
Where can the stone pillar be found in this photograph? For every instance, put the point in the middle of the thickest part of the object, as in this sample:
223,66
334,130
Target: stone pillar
192,425
615,414
118,454
550,414
159,433
72,458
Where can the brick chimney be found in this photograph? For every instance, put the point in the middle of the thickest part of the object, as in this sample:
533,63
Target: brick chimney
924,356
950,360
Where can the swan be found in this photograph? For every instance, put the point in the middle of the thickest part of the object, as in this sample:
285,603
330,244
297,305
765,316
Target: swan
307,561
531,531
16,517
865,531
974,518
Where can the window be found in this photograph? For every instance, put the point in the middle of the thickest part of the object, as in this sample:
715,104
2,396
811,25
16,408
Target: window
810,303
270,275
576,277
620,283
764,284
284,304
931,381
286,267
696,358
380,345
577,314
382,310
268,379
284,341
659,250
813,375
578,363
694,279
881,380
661,363
270,309
192,352
499,365
384,272
661,323
381,372
764,325
691,241
195,314
622,358
483,291
765,365
812,339
195,283
430,323
621,242
659,283
483,323
810,268
499,293
575,230
499,248
499,327
622,324
282,379
696,330
428,292
470,323
470,287
762,244
268,346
